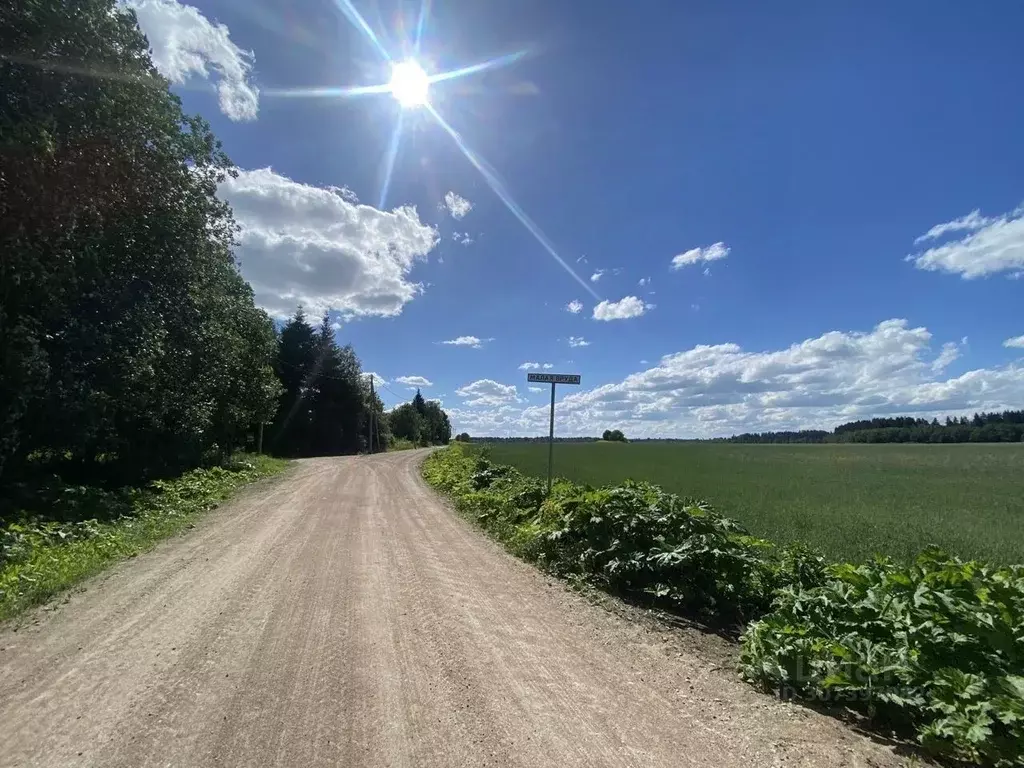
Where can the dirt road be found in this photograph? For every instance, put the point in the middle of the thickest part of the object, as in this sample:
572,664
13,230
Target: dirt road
344,616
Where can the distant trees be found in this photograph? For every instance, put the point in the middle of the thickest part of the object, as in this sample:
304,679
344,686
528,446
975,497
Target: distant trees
462,437
614,435
1005,427
421,421
326,406
129,342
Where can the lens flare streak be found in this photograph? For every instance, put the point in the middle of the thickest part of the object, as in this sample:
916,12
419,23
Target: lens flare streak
501,61
389,161
350,12
421,25
328,92
498,187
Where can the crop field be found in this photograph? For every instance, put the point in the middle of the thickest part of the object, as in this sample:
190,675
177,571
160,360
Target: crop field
849,501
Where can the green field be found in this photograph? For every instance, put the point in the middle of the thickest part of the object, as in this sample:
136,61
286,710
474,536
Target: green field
849,501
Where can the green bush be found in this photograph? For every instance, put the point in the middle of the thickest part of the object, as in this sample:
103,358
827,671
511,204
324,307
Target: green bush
936,648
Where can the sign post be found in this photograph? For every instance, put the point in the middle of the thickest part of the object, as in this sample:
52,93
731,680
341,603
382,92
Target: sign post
553,379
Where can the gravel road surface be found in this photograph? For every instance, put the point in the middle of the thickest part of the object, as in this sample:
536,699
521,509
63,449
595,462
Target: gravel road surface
345,616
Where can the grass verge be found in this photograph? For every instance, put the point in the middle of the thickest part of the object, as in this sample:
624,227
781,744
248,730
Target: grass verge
934,649
88,529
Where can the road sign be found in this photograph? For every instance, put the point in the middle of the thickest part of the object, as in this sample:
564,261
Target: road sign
554,378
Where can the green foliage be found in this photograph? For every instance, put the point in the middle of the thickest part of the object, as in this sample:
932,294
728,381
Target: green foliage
421,422
79,530
401,444
613,436
326,405
847,501
126,329
936,648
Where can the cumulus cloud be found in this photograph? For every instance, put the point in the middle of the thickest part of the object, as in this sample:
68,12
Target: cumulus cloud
186,44
643,281
984,246
377,378
574,307
597,275
467,341
546,366
414,381
487,392
1017,342
537,389
578,341
300,244
528,366
625,308
462,238
713,252
723,389
456,205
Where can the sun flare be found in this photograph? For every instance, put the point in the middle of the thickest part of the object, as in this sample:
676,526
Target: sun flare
409,84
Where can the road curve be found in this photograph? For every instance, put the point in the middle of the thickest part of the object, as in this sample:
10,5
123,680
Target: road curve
344,616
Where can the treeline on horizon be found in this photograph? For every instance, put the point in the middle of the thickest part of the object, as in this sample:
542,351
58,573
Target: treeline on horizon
1004,427
130,345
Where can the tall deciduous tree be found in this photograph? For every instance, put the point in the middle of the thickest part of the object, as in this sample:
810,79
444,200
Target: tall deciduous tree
126,331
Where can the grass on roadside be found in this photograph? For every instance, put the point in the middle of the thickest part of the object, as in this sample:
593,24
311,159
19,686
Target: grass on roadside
87,529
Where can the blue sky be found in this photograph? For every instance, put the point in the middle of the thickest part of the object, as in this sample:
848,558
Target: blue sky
795,213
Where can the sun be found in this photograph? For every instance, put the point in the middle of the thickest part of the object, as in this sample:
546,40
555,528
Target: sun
409,84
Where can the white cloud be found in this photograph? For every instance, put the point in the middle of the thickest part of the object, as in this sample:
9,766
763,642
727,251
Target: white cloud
582,259
625,308
950,352
185,44
537,389
414,381
723,389
546,366
971,222
575,306
456,205
528,366
1017,342
462,238
488,392
377,378
301,244
696,255
597,275
467,341
990,246
578,341
643,281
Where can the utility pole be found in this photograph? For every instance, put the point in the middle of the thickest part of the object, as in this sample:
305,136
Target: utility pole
370,442
259,440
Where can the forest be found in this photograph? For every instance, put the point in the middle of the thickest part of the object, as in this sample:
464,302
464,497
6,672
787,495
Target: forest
130,344
1004,427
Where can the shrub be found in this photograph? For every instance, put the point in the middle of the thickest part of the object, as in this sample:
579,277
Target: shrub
937,647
